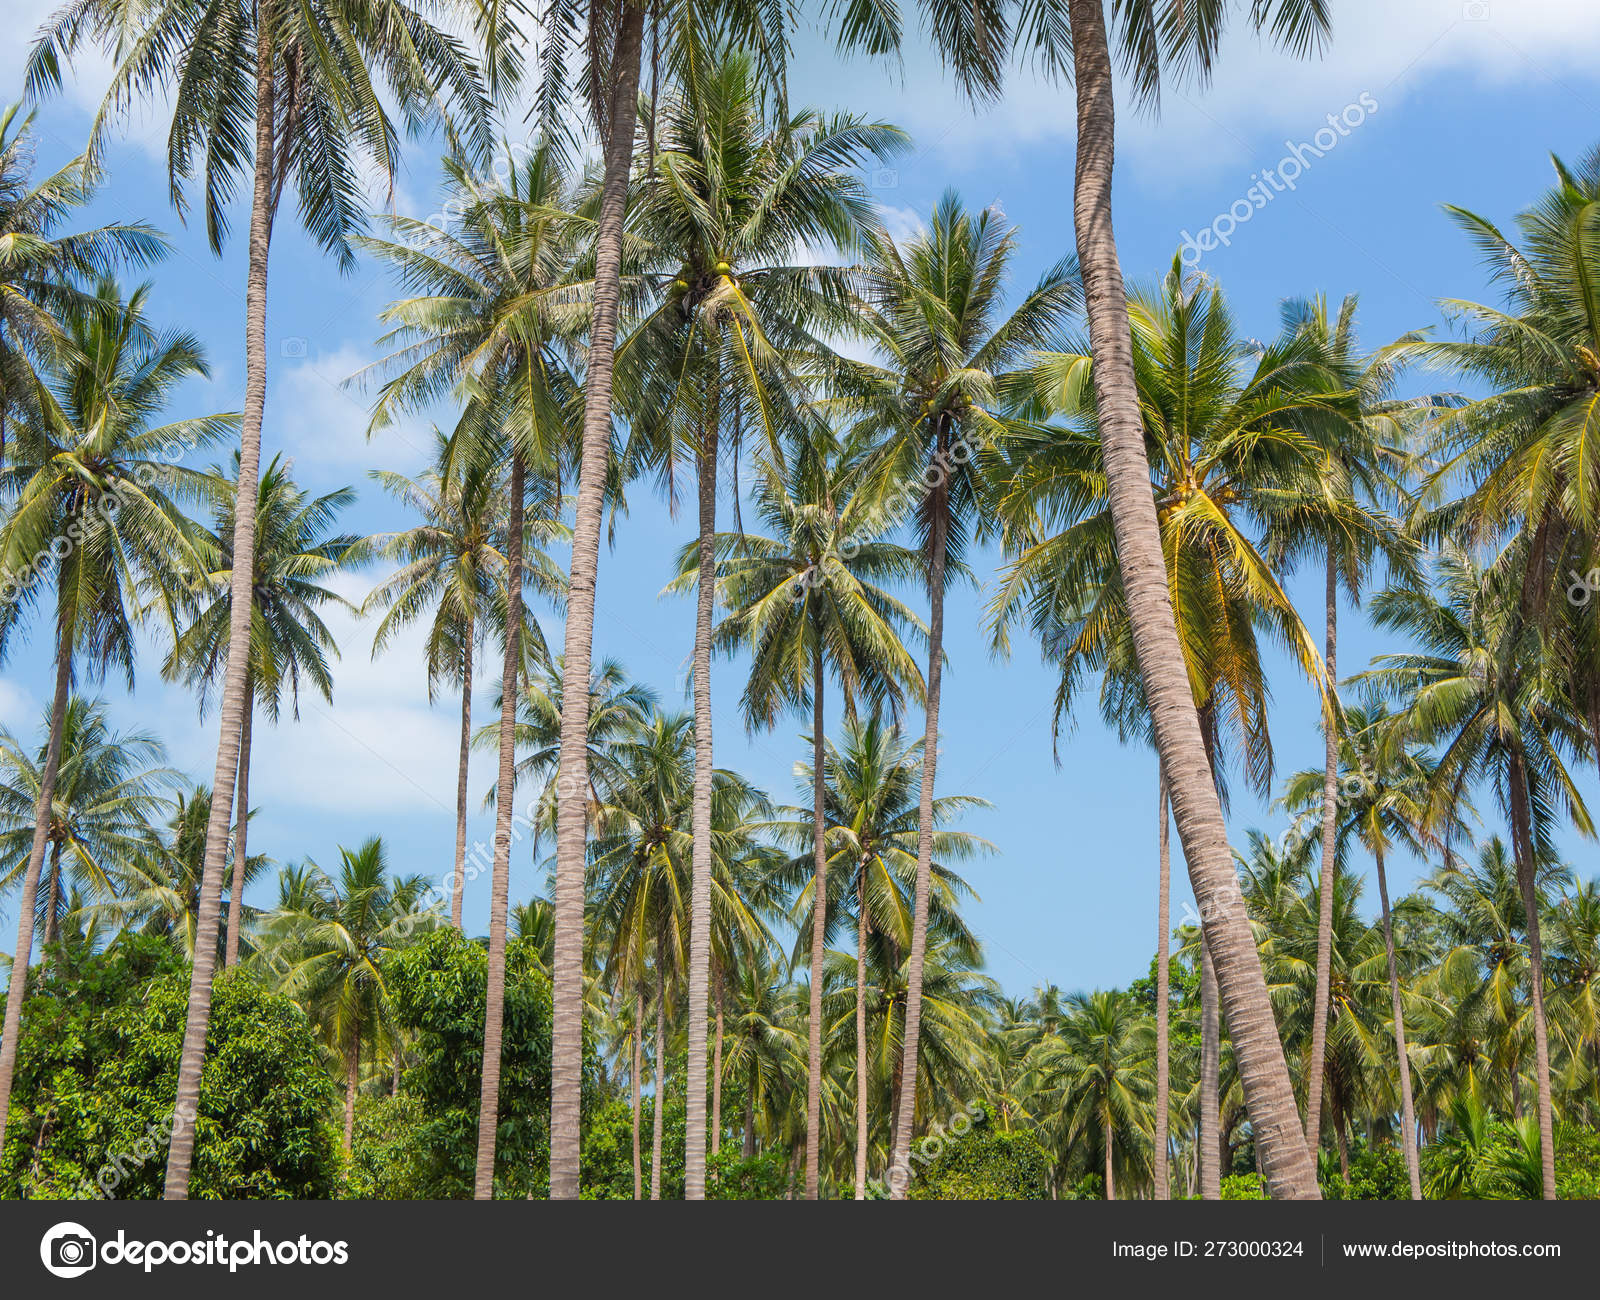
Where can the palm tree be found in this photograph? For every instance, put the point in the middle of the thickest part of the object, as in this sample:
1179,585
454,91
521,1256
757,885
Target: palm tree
107,785
326,942
933,312
726,203
453,562
91,470
296,554
1484,689
280,92
39,267
802,609
1156,37
495,307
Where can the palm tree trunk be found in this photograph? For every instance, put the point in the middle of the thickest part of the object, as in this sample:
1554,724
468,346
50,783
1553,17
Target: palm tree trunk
566,1071
30,877
180,1152
1522,836
52,903
500,880
1159,1175
1329,876
1290,1171
905,1116
458,876
716,1078
861,1035
1111,1181
1342,1140
352,1081
241,829
694,1157
638,1044
660,1104
1210,1068
1408,1114
819,930
750,1116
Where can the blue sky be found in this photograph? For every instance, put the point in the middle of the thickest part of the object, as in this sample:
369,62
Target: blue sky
1470,99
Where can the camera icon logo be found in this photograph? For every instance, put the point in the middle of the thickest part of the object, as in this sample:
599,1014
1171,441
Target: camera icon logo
68,1250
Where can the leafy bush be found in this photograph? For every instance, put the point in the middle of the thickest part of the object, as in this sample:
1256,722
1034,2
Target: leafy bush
1244,1187
983,1164
97,1070
1376,1174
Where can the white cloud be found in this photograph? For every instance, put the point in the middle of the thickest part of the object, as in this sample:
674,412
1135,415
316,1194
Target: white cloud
320,420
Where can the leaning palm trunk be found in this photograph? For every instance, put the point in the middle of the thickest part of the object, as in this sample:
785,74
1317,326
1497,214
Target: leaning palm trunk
1522,837
499,886
241,829
1408,1114
694,1156
1159,1175
458,877
819,931
1325,891
1287,1163
906,1101
30,877
861,1035
659,1106
566,1071
1210,1069
180,1153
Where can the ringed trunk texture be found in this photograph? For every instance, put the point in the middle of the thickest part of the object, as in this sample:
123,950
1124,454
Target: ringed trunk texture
241,829
1522,834
861,1035
573,766
458,876
1408,1114
660,1103
1269,1096
180,1153
352,1081
716,1077
1329,875
1111,1181
52,902
1210,1069
500,882
1159,1174
906,1102
30,878
638,1044
819,931
694,1156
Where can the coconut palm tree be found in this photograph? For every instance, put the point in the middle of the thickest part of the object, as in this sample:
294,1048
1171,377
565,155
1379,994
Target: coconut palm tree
1484,690
727,202
296,555
93,493
945,354
41,267
326,941
277,92
108,784
805,603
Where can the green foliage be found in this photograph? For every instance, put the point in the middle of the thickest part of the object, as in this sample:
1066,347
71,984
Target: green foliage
1376,1174
984,1165
1244,1187
383,1165
766,1176
97,1075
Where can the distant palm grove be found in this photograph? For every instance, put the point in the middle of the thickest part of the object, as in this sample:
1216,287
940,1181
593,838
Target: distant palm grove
652,272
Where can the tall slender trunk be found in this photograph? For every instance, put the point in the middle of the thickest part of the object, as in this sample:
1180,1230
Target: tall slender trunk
1408,1114
1290,1171
638,1044
241,828
1111,1181
749,1149
352,1081
716,1076
819,930
458,876
500,881
30,875
694,1126
660,1105
566,1081
906,1107
1159,1174
1341,1139
52,904
1210,1069
861,1034
1329,875
180,1152
1522,837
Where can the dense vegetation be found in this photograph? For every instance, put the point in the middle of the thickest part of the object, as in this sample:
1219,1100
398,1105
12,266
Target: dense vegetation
725,995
